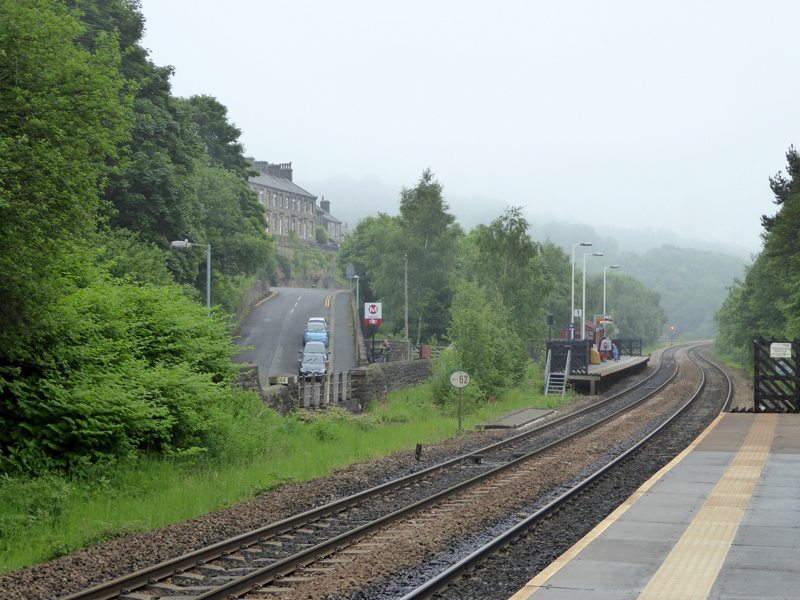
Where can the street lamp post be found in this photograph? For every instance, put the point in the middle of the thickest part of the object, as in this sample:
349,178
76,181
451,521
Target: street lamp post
572,306
358,307
604,284
405,258
583,309
185,246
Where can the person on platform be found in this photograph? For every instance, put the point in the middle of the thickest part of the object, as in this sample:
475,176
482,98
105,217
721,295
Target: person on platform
605,349
615,352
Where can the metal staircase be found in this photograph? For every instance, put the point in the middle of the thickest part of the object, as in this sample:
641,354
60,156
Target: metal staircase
555,384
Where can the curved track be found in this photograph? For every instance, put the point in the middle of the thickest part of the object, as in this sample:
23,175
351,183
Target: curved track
469,576
308,545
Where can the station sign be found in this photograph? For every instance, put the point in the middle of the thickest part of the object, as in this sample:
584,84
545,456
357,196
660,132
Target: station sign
373,313
780,350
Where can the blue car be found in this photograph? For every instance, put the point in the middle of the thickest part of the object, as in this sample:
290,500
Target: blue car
315,332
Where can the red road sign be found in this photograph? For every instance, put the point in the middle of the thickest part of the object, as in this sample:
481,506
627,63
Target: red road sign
372,313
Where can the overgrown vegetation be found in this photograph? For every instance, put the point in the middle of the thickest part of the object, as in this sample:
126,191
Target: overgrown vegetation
107,354
46,517
767,302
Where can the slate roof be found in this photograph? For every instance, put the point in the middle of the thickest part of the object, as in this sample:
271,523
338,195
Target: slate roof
279,183
327,216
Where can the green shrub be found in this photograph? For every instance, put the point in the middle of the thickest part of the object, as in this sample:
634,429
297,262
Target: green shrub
122,369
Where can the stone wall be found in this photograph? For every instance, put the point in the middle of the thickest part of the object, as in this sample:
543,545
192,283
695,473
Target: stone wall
256,293
367,383
377,380
277,397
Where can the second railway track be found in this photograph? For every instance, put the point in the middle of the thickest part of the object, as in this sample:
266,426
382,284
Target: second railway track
303,552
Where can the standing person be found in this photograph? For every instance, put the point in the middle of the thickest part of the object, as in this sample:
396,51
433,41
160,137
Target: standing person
615,352
605,349
387,349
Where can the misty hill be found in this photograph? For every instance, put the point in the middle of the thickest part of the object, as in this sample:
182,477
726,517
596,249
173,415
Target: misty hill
691,275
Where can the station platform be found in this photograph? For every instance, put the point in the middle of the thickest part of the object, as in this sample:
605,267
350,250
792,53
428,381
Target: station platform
605,374
721,521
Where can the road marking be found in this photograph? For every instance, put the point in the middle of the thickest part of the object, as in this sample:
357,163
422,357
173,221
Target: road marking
328,299
272,295
333,324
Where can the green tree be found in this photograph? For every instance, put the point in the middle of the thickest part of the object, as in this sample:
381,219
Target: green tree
636,309
556,270
429,235
782,243
374,250
63,115
209,121
506,264
322,235
485,343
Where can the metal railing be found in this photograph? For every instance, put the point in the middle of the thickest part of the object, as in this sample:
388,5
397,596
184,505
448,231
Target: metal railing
329,389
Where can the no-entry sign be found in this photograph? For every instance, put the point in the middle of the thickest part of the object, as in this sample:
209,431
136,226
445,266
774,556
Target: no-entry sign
372,313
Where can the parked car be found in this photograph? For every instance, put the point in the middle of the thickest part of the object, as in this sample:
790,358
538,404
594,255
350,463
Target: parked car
313,364
316,331
314,348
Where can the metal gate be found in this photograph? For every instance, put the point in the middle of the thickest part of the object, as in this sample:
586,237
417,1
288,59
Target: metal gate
775,380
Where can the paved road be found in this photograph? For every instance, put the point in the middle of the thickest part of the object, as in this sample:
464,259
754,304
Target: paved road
274,328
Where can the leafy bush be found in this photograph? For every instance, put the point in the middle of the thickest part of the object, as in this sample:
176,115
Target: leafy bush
484,345
122,369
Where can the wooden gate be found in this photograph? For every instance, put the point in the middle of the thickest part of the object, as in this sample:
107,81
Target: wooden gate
628,347
775,380
579,352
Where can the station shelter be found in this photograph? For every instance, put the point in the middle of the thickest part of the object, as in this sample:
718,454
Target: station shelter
590,331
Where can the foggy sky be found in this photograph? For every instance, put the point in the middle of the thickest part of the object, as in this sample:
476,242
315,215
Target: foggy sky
626,114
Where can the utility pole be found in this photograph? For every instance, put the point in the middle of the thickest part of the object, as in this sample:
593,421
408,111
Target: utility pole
405,259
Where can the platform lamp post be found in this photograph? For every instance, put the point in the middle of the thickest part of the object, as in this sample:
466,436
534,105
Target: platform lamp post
186,246
572,307
583,309
604,284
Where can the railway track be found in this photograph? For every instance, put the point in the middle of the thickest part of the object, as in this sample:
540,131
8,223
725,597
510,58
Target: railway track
304,548
481,575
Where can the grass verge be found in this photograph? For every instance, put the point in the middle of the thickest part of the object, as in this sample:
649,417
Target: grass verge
44,518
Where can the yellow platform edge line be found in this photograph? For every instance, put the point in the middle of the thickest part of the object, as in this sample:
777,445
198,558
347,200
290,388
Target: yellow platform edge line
534,584
692,567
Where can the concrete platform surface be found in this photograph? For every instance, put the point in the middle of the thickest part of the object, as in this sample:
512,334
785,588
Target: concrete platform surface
721,521
515,418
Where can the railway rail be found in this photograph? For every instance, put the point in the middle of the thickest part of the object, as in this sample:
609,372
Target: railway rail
298,550
715,389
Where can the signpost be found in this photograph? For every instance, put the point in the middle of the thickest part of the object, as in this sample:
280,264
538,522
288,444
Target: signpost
373,315
460,380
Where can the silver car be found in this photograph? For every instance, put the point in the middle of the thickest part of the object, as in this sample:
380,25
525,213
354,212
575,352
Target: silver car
313,365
